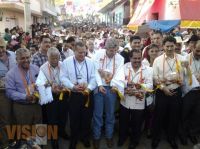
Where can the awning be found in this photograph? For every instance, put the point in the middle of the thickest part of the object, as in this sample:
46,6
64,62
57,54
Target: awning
190,24
140,13
163,25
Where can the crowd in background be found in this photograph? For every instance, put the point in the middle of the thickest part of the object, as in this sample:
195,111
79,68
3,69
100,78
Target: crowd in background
154,75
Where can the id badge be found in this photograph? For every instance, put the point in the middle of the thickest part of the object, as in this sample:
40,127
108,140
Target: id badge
79,77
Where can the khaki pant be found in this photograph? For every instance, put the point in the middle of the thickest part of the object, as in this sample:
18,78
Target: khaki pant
5,117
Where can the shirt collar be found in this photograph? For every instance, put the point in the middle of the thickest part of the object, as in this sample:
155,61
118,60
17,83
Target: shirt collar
78,61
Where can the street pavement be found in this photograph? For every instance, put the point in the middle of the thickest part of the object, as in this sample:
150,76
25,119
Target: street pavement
144,144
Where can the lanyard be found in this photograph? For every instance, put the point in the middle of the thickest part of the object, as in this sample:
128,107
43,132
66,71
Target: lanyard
25,80
105,61
52,76
176,61
75,66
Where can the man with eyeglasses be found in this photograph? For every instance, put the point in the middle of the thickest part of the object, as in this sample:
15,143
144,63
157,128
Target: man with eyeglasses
7,61
78,74
20,88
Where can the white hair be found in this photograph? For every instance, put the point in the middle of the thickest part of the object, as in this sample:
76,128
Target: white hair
53,51
20,51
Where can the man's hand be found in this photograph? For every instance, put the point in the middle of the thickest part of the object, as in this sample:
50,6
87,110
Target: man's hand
55,88
127,90
139,96
102,90
78,88
113,89
31,98
168,92
137,86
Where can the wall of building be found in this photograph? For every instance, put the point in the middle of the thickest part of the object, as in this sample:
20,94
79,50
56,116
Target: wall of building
165,9
11,19
119,14
35,6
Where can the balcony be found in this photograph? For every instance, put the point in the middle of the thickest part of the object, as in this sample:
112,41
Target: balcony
12,5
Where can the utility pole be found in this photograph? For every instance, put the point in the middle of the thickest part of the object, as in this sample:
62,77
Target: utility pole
27,16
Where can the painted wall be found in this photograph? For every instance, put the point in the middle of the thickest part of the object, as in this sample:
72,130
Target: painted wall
35,5
11,19
166,9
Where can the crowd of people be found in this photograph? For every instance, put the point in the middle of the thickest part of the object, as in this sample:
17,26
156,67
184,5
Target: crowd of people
81,74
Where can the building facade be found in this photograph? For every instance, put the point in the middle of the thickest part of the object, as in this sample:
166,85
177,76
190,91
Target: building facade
12,12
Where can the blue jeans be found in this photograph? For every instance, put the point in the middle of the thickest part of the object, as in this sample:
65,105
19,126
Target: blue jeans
102,101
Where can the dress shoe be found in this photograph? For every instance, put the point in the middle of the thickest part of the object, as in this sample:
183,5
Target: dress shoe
72,144
64,135
86,143
55,144
120,142
96,143
132,145
193,139
109,142
149,134
183,140
155,143
173,143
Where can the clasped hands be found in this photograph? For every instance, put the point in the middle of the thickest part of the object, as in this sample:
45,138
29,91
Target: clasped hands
134,89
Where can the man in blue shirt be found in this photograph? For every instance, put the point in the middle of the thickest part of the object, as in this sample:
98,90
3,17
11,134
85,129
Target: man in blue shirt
20,88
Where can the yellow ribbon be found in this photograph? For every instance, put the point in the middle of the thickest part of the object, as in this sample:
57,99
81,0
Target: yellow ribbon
62,93
178,66
36,94
189,76
119,94
149,90
87,94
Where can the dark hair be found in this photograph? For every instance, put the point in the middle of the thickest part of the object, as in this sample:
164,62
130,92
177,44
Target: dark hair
44,36
69,40
134,38
134,51
79,44
151,46
158,32
193,38
6,30
169,39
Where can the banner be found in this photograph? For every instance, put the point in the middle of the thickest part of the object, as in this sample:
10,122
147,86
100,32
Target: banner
59,2
141,12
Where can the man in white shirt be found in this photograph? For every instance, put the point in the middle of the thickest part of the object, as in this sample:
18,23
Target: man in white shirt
191,102
109,77
50,87
78,74
168,74
132,108
66,49
90,46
